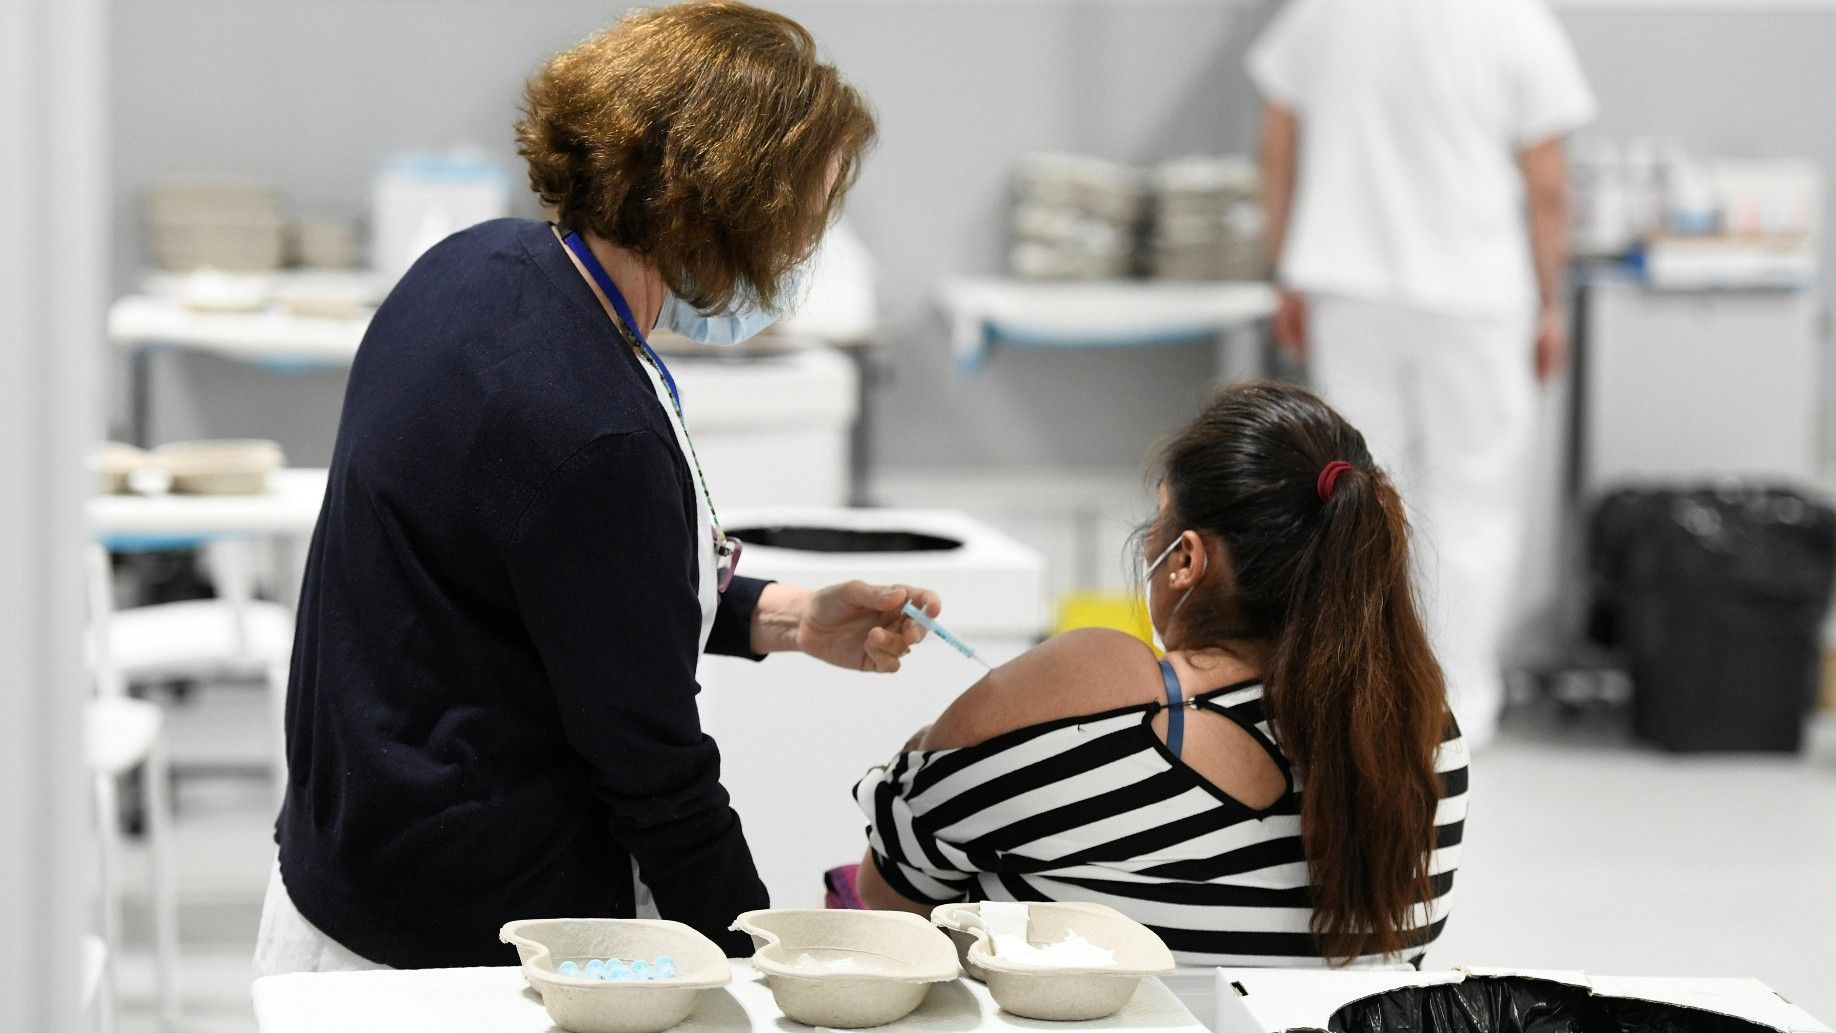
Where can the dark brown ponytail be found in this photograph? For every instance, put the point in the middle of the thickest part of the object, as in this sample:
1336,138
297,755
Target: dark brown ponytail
1353,690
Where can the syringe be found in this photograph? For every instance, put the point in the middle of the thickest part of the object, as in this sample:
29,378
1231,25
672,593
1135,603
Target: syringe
931,625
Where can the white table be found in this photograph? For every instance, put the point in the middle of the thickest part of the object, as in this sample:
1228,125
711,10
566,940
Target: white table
497,1000
989,310
271,338
284,515
270,335
289,508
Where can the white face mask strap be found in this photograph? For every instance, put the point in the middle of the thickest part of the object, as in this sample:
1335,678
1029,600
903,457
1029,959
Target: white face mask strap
1162,558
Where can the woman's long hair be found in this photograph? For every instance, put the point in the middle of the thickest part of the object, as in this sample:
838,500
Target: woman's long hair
1353,690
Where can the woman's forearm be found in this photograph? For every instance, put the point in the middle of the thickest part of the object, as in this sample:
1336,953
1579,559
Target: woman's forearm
879,896
1545,172
781,611
1279,144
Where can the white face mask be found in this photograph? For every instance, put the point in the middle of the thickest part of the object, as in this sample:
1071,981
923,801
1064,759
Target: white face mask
743,321
1160,643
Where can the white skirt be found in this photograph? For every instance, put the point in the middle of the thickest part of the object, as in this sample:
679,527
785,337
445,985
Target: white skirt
289,943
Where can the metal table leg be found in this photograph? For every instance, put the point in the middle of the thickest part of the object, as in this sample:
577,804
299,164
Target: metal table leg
869,375
1243,353
140,396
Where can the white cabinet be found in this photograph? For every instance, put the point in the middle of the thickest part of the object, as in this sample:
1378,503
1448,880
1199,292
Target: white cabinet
772,430
1680,386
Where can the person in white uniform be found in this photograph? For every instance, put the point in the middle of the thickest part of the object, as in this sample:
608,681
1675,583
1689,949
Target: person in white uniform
1414,181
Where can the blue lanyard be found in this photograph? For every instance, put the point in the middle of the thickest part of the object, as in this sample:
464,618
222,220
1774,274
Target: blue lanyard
610,289
726,550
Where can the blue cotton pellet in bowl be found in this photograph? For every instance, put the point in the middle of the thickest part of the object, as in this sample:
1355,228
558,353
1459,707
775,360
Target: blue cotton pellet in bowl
568,968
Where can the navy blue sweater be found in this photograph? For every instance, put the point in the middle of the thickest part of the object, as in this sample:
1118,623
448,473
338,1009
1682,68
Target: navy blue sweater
492,708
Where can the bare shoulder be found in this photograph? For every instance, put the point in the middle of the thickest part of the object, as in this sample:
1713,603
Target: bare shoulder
1084,671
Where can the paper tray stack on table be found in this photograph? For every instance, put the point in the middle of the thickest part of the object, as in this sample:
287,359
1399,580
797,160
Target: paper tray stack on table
1207,220
1076,217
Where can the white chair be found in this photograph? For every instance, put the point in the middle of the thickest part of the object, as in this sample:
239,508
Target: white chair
232,636
98,996
124,735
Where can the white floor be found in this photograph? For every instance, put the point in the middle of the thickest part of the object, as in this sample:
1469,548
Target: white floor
1583,852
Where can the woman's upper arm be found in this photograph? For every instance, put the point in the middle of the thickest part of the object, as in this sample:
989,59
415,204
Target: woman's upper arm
1078,672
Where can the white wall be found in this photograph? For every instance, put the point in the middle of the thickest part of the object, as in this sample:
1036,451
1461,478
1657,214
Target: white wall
52,289
310,94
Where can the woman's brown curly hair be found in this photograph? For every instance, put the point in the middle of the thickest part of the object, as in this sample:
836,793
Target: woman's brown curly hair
699,136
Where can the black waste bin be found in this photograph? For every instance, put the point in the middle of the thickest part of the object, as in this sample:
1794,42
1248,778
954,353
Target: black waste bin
1522,1004
1716,596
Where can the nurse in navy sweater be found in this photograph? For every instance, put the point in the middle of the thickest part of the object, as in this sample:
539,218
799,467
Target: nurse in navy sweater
492,712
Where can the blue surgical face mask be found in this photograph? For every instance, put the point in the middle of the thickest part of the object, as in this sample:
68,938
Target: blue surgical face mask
745,319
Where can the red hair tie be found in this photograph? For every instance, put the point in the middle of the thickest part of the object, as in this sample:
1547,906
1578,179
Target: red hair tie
1329,476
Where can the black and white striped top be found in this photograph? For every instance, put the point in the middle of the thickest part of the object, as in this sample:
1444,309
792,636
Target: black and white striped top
1097,809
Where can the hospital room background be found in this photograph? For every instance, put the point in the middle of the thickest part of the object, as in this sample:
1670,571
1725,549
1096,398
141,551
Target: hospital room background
953,427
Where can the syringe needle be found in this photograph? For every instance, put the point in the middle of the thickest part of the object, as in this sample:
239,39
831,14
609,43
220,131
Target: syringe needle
930,624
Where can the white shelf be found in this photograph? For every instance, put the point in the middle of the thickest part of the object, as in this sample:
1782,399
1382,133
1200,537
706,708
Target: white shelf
984,311
270,336
289,508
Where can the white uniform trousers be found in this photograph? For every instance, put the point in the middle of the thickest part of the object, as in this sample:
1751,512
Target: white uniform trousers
1446,404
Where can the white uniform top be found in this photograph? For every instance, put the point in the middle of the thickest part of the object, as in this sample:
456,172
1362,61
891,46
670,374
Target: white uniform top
1412,113
708,584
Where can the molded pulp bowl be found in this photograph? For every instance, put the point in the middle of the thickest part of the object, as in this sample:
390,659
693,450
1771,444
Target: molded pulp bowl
896,957
1067,994
585,1005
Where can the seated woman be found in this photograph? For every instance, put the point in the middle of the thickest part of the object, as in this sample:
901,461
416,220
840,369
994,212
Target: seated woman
1286,787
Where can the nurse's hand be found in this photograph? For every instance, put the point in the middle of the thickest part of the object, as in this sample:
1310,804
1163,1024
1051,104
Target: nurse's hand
853,625
1551,344
1291,322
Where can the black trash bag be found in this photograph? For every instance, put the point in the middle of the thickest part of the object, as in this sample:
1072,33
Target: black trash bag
1716,597
1759,543
1508,1005
1648,1017
1764,544
1517,1004
1614,525
843,539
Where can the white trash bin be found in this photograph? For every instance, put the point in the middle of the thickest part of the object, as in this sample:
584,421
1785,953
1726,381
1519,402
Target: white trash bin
772,430
795,734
